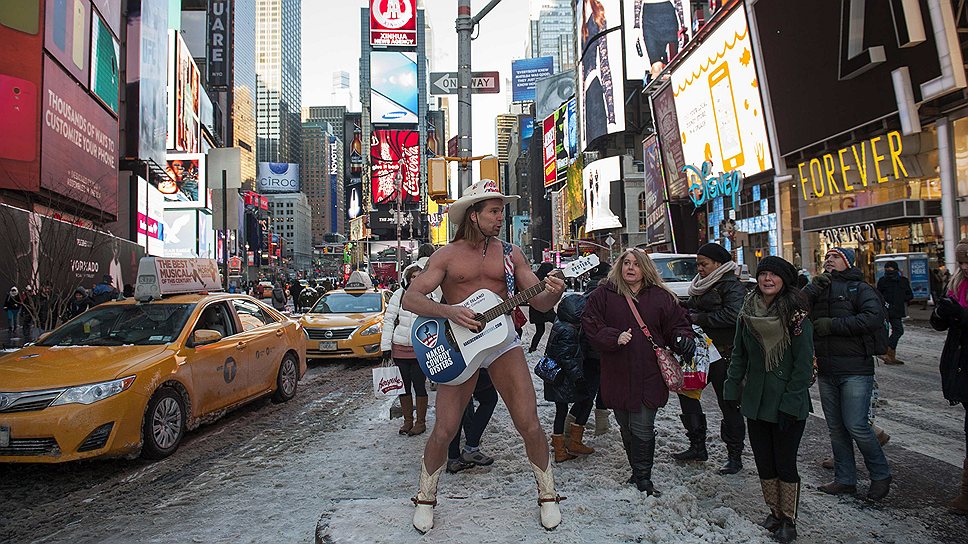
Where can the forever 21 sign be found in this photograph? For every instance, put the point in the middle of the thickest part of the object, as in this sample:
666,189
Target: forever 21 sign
219,44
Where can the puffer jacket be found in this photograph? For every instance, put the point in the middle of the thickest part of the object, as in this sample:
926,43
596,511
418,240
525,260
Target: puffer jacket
856,311
896,290
399,334
954,355
565,346
717,309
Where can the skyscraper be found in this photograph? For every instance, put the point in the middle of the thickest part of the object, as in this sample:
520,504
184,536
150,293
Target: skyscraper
550,21
505,124
322,156
342,95
279,80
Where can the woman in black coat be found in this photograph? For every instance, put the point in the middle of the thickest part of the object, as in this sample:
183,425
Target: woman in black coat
540,318
579,383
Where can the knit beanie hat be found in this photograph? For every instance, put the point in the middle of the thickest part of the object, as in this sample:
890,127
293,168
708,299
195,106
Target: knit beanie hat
961,251
780,267
892,265
715,252
846,254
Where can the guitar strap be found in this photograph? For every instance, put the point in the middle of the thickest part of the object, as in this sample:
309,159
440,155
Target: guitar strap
508,267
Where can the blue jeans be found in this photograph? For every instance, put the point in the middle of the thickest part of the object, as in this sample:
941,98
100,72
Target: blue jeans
12,319
846,404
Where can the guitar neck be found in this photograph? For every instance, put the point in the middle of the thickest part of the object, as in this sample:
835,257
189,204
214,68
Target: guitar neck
513,302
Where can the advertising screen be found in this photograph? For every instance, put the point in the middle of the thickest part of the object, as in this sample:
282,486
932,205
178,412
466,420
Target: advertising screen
525,130
110,11
145,86
277,177
68,35
562,130
602,89
572,112
595,18
552,91
105,64
20,95
151,218
387,148
183,101
186,186
524,75
219,44
437,220
354,198
548,147
575,193
602,185
181,233
718,102
657,229
667,126
521,230
393,87
651,33
393,22
80,143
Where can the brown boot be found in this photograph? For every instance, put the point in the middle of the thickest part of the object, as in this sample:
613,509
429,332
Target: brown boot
420,424
574,441
960,503
558,445
890,358
406,405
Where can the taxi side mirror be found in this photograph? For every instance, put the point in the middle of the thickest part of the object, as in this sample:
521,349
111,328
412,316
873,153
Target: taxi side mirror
205,336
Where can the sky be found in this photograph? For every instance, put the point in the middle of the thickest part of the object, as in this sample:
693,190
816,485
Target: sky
329,47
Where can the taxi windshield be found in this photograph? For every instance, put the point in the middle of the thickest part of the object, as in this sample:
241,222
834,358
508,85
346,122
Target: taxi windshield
676,268
123,324
349,303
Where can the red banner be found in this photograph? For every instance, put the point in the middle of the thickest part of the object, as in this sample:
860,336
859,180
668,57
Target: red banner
387,147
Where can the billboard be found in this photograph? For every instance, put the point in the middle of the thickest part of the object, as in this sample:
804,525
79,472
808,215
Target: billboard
575,193
186,186
552,91
594,18
20,95
521,230
524,75
146,72
602,89
437,219
110,11
651,34
151,218
393,87
277,177
548,150
183,102
79,158
218,44
525,130
181,233
602,186
667,127
658,228
105,65
333,182
68,36
388,148
393,22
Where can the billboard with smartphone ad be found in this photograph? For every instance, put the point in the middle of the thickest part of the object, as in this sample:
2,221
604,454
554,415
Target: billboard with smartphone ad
393,22
387,147
393,87
80,143
67,37
718,104
105,64
185,186
20,94
146,72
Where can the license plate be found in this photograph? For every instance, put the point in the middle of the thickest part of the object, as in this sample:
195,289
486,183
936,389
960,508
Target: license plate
327,346
4,437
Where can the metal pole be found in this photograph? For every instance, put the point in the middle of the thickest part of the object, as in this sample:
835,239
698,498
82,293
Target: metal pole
225,231
465,26
949,191
399,227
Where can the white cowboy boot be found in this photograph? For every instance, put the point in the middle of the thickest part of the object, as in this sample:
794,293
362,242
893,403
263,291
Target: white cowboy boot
548,499
426,499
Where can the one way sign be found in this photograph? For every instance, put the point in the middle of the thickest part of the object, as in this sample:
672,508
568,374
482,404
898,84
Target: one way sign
481,82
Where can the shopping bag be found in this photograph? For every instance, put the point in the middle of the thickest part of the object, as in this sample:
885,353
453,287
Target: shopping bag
694,371
549,370
387,382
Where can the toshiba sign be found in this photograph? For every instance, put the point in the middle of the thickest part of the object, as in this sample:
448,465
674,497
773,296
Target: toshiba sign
393,22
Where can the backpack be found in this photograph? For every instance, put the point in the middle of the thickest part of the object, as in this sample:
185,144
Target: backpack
878,342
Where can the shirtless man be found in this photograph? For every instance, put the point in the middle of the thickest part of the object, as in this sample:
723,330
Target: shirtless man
475,260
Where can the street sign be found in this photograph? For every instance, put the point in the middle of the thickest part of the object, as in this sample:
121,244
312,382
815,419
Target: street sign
481,82
610,241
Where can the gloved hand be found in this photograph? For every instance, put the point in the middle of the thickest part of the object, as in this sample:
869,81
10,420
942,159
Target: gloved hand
386,356
694,318
822,326
685,347
821,281
948,308
785,421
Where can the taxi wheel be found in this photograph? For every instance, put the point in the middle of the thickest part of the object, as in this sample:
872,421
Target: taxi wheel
164,424
287,379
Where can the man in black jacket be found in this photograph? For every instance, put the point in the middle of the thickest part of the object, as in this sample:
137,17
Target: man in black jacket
896,290
845,312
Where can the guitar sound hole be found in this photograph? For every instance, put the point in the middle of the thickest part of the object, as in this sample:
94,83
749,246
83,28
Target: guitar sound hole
480,319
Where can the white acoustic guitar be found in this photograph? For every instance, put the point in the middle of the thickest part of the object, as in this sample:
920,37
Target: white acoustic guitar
450,354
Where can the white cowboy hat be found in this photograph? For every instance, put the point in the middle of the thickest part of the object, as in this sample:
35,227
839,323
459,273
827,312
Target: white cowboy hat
485,189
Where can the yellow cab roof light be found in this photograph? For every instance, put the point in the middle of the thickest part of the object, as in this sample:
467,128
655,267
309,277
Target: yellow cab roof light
160,276
358,281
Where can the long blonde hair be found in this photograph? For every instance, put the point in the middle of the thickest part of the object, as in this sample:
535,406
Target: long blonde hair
955,282
650,274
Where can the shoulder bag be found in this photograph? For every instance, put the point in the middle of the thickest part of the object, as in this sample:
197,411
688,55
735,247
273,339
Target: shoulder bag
668,364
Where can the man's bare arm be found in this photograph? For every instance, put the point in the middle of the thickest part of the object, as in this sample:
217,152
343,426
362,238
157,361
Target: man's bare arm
525,278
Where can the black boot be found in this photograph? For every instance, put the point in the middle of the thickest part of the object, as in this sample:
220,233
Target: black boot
734,460
789,505
627,444
695,425
642,456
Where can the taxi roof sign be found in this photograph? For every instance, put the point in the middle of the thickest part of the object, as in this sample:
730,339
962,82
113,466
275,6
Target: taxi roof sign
358,281
160,276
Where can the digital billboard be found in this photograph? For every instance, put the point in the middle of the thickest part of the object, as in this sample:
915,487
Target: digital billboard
718,104
602,89
552,91
185,186
146,72
651,33
105,65
277,177
393,22
110,11
393,87
658,229
219,44
68,36
594,18
151,218
20,95
525,130
387,148
79,157
602,186
548,150
183,101
181,233
525,73
667,127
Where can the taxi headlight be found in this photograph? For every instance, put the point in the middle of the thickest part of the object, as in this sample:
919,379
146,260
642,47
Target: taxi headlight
89,394
375,328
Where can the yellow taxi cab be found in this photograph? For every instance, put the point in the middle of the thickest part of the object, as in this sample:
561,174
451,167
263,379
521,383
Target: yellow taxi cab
347,323
131,377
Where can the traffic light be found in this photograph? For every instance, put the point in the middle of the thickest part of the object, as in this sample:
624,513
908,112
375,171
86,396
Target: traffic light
437,178
491,170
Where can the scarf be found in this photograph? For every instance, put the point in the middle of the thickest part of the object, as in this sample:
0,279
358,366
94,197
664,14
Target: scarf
768,327
700,285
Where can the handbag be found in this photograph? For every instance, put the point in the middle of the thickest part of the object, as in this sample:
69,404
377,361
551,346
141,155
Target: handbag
669,366
387,381
695,372
549,370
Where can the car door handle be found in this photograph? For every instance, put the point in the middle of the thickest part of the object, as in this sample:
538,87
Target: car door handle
240,346
280,332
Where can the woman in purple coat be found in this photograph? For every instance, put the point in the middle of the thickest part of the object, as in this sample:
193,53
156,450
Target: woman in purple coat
631,383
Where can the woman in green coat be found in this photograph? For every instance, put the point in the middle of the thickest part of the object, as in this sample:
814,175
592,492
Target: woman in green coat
769,376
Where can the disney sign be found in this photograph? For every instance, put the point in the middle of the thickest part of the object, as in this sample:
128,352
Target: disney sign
705,186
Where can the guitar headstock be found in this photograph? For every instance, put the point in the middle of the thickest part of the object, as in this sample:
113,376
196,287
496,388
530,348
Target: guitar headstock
580,266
